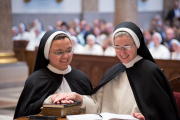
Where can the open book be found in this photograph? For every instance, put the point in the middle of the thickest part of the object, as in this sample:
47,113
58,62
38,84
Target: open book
102,116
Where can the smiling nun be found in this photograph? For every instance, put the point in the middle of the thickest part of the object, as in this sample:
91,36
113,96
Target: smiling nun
135,85
52,75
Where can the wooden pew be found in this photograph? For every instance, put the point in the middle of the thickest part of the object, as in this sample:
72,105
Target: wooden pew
96,66
93,66
20,48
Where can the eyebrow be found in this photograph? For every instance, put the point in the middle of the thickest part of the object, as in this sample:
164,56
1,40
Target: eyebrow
62,49
124,45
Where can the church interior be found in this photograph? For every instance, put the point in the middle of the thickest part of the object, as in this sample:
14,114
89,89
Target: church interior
24,22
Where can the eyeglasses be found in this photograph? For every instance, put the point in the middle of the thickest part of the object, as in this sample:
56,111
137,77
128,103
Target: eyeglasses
60,53
125,48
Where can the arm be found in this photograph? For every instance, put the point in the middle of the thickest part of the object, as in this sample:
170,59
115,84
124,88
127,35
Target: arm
92,104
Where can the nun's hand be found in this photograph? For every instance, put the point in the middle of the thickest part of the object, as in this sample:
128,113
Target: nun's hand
68,98
138,116
53,96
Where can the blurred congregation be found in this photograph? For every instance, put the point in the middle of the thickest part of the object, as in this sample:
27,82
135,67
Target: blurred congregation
162,37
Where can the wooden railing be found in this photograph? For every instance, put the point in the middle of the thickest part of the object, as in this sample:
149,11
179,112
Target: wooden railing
96,66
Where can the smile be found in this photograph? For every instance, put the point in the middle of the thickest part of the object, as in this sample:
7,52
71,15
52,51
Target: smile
64,60
124,57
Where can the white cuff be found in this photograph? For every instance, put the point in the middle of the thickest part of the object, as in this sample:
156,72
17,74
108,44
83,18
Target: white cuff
83,106
48,100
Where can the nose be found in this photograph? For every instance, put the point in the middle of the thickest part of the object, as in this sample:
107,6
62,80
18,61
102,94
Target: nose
65,55
122,52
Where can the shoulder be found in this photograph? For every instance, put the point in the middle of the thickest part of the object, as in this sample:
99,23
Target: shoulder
97,46
114,70
78,74
79,45
38,76
146,65
148,71
86,46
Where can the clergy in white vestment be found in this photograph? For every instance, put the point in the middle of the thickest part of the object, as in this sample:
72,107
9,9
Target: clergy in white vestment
23,34
78,48
91,48
159,51
176,47
135,85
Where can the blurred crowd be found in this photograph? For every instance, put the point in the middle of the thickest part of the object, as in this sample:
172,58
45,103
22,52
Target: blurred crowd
162,38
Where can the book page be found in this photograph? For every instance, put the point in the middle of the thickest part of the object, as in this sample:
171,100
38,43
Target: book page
111,116
84,117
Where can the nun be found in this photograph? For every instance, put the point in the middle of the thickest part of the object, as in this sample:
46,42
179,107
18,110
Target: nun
23,34
15,32
34,42
135,85
78,48
52,75
176,47
159,51
91,48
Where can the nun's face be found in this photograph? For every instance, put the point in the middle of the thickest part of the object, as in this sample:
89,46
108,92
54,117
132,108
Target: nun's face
90,41
125,56
175,47
156,41
59,47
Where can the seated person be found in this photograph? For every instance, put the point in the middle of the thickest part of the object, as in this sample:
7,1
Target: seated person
136,85
52,75
159,51
34,42
23,34
91,48
110,50
78,48
15,32
176,49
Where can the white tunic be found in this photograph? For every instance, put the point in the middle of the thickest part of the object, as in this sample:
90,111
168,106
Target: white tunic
78,49
114,97
110,51
160,52
175,56
34,42
94,50
24,36
64,87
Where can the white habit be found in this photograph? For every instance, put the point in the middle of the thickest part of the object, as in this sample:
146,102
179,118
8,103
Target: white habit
175,56
110,51
94,50
160,52
78,49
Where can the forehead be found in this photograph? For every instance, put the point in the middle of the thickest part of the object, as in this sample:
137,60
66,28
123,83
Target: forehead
61,44
156,37
123,39
174,44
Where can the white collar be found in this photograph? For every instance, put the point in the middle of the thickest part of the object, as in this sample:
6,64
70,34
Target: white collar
130,64
55,70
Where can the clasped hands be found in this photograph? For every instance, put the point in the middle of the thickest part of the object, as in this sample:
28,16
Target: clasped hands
71,97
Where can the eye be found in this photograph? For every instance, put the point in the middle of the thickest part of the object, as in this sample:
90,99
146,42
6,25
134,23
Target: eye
59,53
117,47
68,51
127,47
